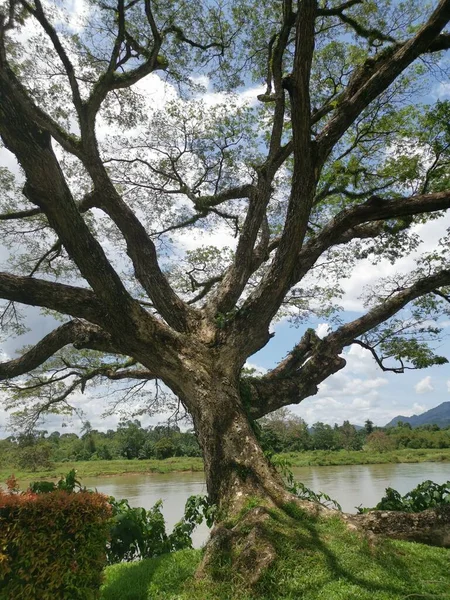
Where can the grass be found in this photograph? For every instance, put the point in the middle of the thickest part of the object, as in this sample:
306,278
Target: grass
178,464
317,560
360,457
148,578
106,467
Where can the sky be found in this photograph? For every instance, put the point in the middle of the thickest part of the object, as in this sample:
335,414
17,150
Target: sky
359,392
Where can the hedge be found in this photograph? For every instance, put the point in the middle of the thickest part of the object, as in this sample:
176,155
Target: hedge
52,546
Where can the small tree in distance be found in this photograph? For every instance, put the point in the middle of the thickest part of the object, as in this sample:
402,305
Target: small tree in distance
336,162
368,426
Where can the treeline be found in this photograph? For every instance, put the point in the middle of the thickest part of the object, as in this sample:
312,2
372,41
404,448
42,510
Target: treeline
285,432
129,441
281,432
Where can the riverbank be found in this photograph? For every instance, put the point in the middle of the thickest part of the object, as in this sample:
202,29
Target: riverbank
328,458
185,464
103,468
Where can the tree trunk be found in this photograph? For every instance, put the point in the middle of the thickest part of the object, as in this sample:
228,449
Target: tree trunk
240,480
431,527
235,465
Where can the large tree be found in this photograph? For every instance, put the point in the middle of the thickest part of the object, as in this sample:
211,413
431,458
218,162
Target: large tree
337,162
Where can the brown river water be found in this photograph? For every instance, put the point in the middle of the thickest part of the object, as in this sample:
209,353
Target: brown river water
350,485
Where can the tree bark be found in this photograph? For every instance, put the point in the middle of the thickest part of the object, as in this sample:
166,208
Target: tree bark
235,465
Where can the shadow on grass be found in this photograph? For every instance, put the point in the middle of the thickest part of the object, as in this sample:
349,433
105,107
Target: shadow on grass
142,580
323,559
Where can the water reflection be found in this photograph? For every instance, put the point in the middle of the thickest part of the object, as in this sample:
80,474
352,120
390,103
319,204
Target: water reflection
351,486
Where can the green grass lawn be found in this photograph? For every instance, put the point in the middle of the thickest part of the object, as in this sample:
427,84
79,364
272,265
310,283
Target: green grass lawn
297,459
318,560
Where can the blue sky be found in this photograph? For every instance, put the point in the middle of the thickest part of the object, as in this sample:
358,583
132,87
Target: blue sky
361,390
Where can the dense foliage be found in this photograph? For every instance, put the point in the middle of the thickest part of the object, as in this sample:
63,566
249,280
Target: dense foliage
52,545
285,432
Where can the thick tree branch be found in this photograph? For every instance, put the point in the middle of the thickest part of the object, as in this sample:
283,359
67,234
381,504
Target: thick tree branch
374,79
313,360
364,221
79,333
46,188
266,394
345,334
66,299
275,284
141,250
236,277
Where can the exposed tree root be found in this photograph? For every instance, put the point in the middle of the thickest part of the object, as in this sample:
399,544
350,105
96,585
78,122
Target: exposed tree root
430,527
245,545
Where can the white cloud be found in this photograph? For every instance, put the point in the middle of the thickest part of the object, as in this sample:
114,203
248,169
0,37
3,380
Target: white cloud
258,370
322,330
247,97
424,386
442,90
359,360
361,403
448,385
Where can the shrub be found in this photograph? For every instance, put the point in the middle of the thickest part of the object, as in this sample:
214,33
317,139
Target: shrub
426,495
52,545
137,533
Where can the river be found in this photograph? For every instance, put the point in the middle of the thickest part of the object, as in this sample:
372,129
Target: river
351,486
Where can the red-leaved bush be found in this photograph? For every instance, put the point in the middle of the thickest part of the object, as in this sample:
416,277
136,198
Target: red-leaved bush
52,546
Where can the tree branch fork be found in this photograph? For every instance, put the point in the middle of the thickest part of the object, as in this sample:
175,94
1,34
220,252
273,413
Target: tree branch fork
106,314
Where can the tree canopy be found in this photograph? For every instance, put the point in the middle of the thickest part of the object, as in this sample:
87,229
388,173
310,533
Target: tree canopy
130,173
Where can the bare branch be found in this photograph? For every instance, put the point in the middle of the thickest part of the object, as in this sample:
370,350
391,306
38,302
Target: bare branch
379,360
20,214
337,10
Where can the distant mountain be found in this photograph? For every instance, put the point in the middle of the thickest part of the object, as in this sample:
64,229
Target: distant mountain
440,415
